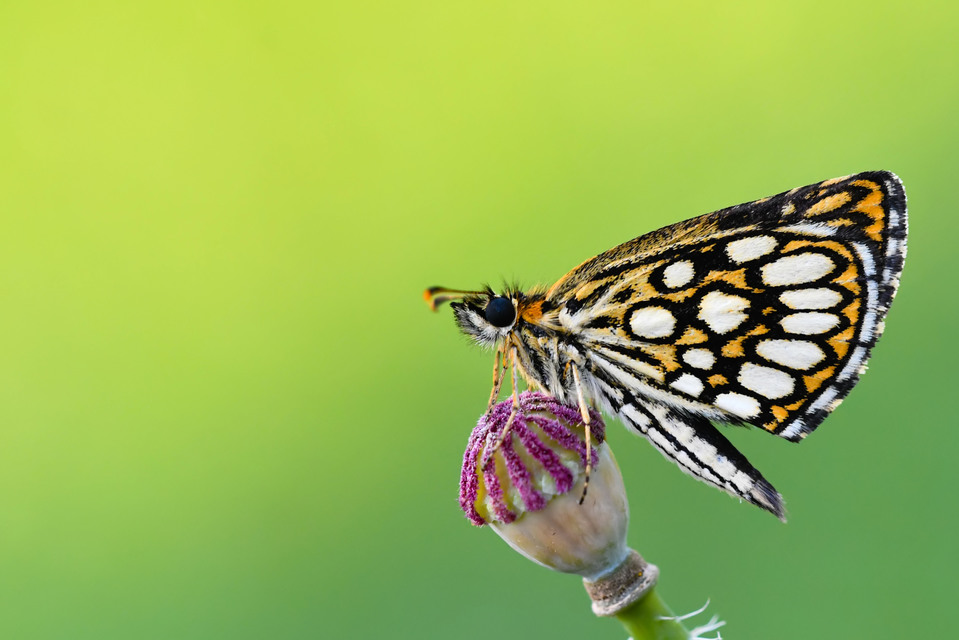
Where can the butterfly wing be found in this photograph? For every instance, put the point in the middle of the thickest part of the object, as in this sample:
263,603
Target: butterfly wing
763,313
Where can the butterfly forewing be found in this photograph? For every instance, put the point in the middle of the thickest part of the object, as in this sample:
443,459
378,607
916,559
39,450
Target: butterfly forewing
763,313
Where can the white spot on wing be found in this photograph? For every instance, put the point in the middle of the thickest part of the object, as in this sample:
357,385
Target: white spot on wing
795,354
639,385
738,404
796,269
812,229
869,322
699,358
688,383
794,429
631,365
821,298
638,418
872,294
869,327
613,394
809,323
868,264
721,311
652,322
894,247
726,469
766,381
689,442
750,248
857,360
678,274
742,481
826,398
659,439
682,457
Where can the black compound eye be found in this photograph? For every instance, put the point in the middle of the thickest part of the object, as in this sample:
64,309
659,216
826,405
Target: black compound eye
500,312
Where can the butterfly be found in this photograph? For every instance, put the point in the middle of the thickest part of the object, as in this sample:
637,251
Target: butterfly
760,314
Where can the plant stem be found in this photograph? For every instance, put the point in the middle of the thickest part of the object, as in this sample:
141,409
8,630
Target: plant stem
644,620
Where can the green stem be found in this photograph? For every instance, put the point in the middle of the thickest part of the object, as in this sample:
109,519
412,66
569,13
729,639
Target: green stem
644,620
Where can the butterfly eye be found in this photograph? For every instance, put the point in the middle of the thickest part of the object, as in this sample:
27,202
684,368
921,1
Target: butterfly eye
500,312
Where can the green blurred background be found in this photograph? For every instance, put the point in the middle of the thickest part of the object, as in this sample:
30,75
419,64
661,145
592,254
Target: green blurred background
225,411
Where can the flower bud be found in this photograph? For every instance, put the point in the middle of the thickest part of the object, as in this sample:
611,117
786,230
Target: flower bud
528,485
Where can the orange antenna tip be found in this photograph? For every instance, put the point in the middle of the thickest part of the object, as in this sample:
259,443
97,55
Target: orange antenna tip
436,296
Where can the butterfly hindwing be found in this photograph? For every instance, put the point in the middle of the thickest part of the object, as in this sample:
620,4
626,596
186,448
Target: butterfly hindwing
700,450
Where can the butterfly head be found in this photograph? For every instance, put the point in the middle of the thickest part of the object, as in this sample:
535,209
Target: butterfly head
484,315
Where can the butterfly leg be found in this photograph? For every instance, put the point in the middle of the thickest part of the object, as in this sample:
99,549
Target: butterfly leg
511,365
584,411
499,368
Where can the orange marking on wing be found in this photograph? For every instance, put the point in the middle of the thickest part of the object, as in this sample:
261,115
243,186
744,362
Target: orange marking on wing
679,296
734,348
871,205
717,379
869,184
831,245
848,279
781,414
852,311
832,181
829,203
815,380
692,336
736,278
840,222
587,288
874,231
793,245
664,353
840,342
